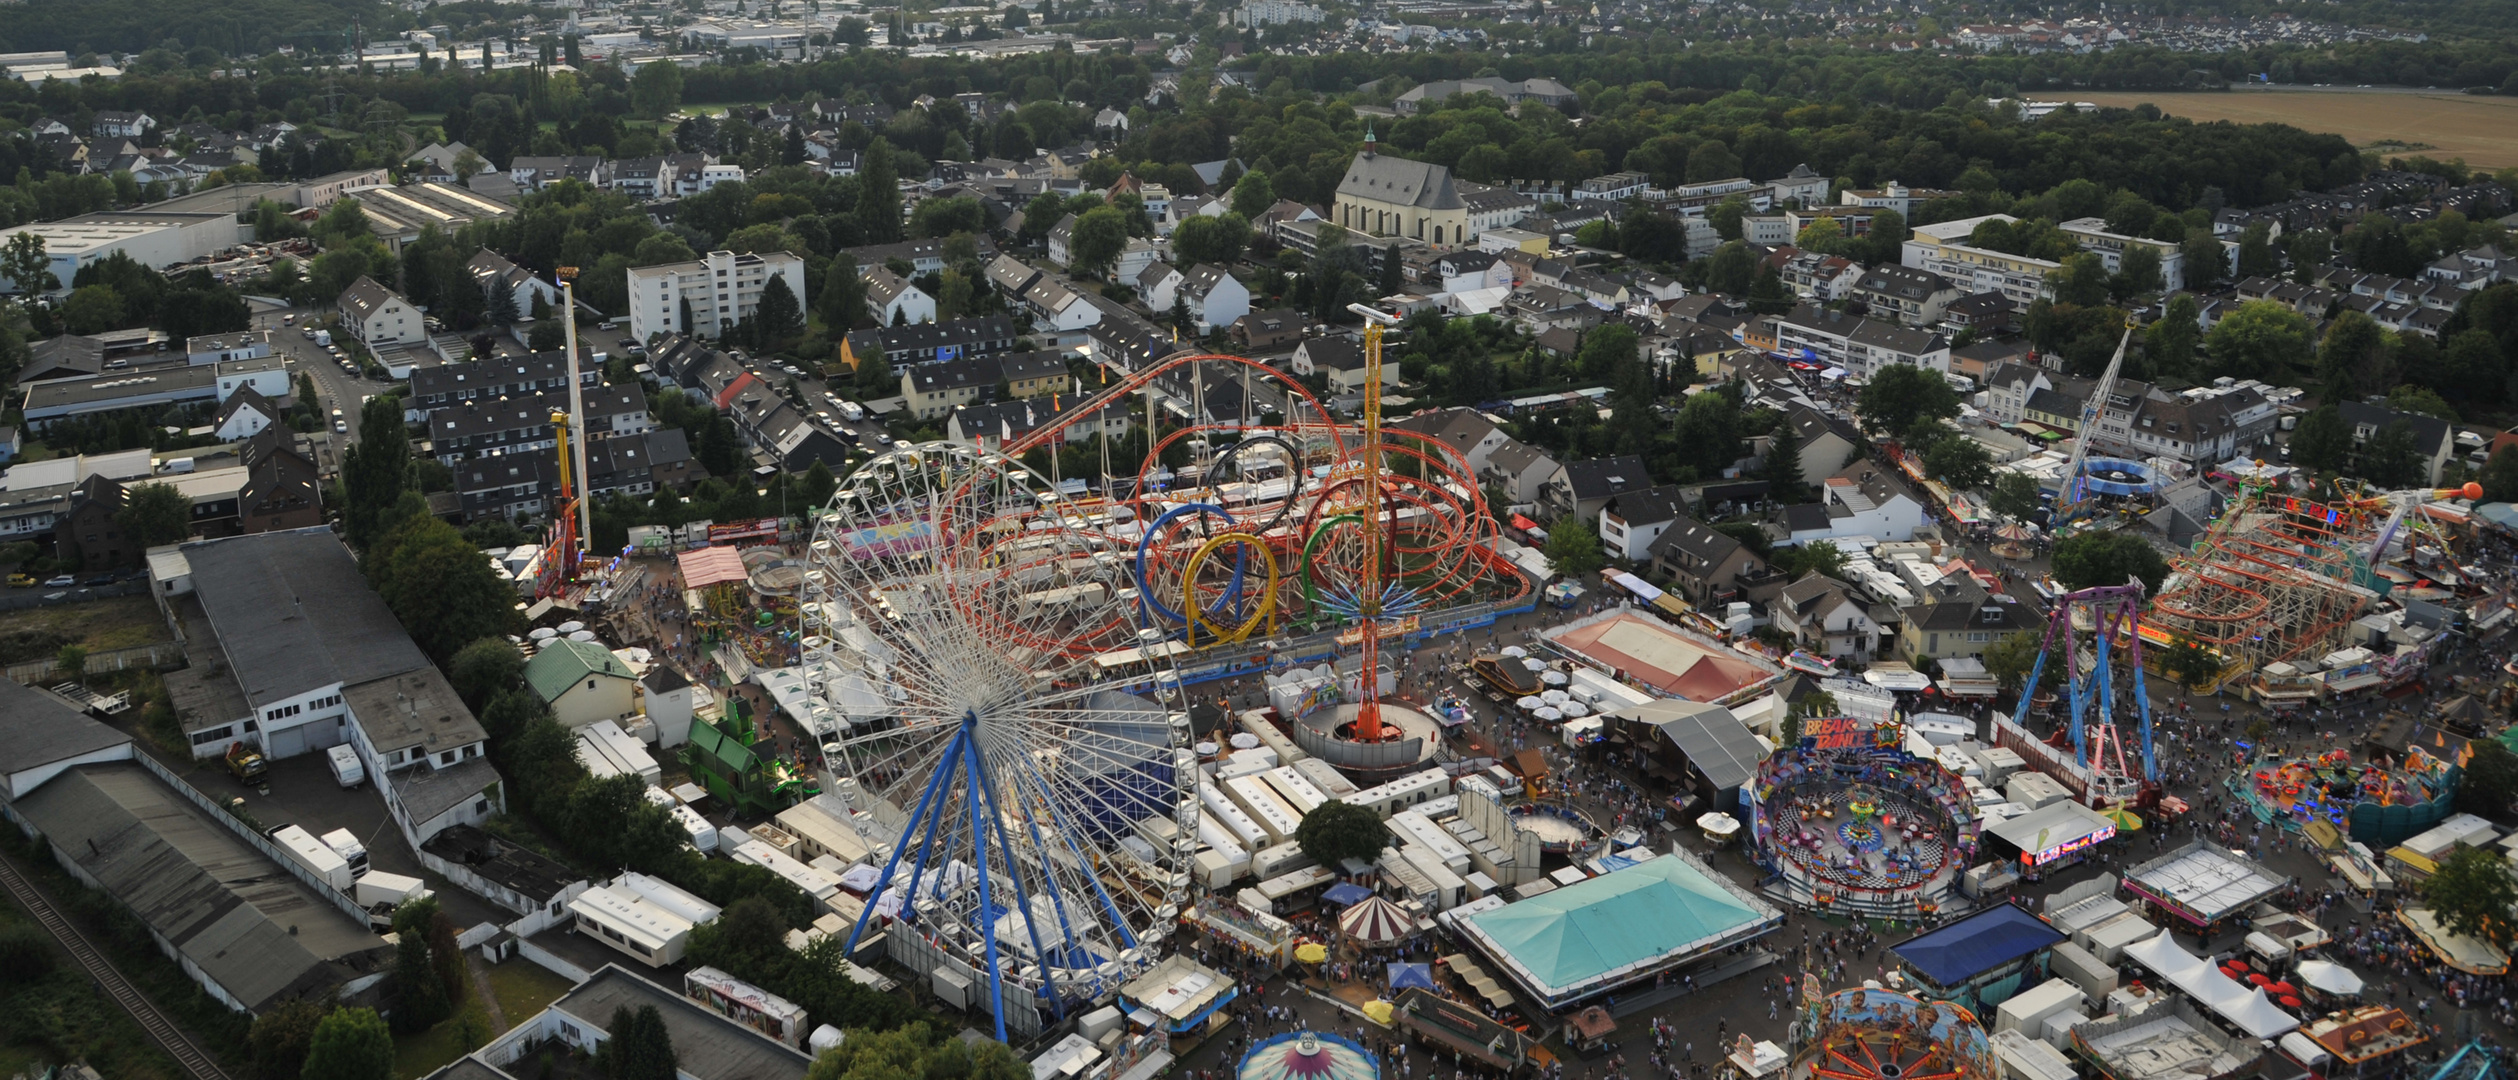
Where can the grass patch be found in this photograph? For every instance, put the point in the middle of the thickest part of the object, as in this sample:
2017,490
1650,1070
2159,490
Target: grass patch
418,1055
115,622
524,988
61,1017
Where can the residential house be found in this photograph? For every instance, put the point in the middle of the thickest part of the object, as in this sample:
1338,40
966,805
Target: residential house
1214,297
1059,313
1261,330
1468,433
1340,360
492,271
1519,471
283,490
934,390
1631,522
1581,488
1709,568
929,343
1864,499
893,301
1826,441
1970,627
533,173
1907,295
1863,347
2434,439
376,315
1826,616
1158,286
244,415
91,530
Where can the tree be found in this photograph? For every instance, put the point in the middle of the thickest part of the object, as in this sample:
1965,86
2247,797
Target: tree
2170,342
441,588
1217,240
1821,557
2137,272
2189,662
878,212
72,661
1783,464
1097,239
639,1047
2206,261
281,1035
1336,831
2500,475
2322,441
2009,659
376,471
617,827
485,668
656,90
2260,340
843,303
2490,784
2015,496
1903,397
420,1002
779,316
502,309
1574,549
2082,282
2389,458
1605,350
2354,359
2420,401
92,309
2472,893
24,262
2089,559
1253,194
350,1044
155,514
1767,294
1958,461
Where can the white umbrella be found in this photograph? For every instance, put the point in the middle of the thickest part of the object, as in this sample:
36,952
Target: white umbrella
543,633
1515,651
582,635
2329,976
1552,678
1529,703
1534,663
1718,824
1573,709
1550,715
1553,697
1245,741
1206,749
571,627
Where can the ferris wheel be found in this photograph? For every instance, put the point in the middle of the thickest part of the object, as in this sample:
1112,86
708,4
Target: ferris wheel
967,640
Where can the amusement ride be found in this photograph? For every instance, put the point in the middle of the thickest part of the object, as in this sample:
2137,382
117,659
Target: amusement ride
1016,657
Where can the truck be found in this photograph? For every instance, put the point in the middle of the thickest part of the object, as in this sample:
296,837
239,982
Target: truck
346,767
344,843
324,863
323,338
851,411
245,763
382,894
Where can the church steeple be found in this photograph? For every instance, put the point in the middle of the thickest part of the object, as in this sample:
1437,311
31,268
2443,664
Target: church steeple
1371,145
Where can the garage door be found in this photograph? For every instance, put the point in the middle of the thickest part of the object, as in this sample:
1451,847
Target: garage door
286,742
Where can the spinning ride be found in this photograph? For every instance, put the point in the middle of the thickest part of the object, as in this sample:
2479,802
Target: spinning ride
1874,1034
1859,825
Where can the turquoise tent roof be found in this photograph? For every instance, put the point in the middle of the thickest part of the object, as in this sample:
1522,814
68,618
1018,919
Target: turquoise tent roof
1636,917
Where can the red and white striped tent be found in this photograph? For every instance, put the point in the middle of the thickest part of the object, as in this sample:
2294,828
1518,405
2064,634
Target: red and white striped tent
1376,922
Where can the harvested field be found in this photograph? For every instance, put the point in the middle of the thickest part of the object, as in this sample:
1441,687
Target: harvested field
2481,129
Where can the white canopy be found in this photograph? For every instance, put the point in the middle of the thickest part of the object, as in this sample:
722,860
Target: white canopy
2329,976
2245,1007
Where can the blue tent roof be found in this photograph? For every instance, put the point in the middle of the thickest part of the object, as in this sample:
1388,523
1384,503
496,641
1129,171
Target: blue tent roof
1345,893
1403,976
1976,944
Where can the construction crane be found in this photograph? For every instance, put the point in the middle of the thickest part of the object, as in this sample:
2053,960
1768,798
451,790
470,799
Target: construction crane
2069,503
573,524
564,557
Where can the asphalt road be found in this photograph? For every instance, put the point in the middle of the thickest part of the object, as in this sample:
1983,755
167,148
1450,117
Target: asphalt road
334,387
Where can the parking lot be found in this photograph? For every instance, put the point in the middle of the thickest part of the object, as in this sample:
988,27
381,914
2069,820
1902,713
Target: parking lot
335,387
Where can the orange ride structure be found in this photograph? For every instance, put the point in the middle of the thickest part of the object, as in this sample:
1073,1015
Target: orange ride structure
995,668
2279,577
1869,1033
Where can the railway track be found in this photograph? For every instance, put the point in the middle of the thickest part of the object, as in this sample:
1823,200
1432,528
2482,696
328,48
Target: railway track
170,1038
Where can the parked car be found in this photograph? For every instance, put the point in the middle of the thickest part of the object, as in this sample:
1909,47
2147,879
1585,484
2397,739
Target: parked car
61,582
21,581
100,579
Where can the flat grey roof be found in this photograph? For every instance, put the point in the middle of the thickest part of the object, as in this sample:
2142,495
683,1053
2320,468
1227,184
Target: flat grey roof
427,792
416,708
256,930
706,1045
292,613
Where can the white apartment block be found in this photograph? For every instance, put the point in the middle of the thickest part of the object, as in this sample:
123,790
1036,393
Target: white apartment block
2091,233
1276,12
723,287
1942,248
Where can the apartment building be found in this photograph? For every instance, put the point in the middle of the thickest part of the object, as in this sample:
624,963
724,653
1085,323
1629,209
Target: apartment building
704,295
1942,248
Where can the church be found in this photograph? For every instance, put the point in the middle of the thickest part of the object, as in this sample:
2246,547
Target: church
1393,196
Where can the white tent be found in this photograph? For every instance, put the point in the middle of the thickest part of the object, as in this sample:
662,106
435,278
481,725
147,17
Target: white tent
2245,1007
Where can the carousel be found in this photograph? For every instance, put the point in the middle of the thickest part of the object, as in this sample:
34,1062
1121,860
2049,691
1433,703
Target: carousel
2292,792
1869,1033
1308,1055
1859,825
